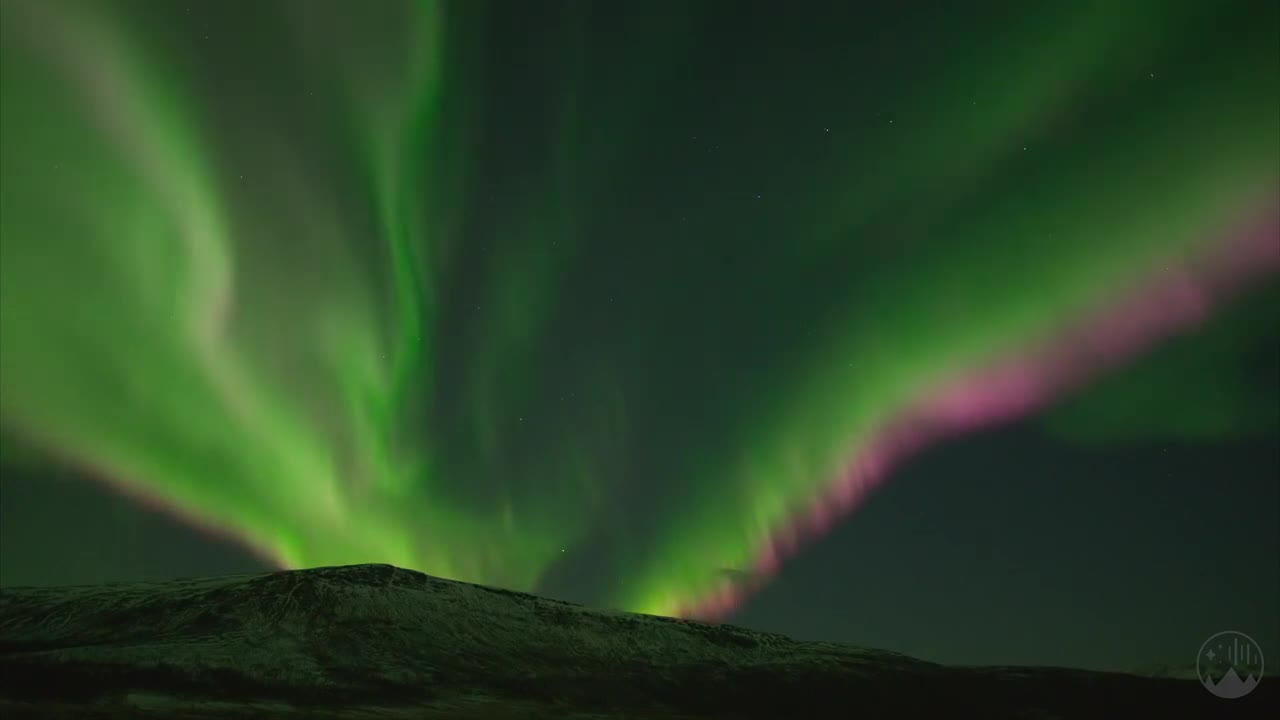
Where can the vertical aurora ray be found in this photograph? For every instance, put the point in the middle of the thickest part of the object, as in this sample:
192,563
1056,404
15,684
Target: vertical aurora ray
410,283
1059,238
245,368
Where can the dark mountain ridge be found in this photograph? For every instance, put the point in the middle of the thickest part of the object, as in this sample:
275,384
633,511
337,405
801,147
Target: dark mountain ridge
380,641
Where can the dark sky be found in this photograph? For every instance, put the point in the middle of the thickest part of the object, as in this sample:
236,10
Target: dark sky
948,329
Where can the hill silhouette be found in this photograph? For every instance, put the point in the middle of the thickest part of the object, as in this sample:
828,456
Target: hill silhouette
378,641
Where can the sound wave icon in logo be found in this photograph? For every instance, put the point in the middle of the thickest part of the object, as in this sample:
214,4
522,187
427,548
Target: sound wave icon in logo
1230,664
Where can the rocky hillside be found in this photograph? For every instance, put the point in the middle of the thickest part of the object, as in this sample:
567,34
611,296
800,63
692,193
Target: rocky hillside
377,641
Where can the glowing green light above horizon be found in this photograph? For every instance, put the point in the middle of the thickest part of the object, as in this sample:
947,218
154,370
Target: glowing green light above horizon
307,284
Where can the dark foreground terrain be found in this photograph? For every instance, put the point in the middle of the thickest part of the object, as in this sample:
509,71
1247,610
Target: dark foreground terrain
375,641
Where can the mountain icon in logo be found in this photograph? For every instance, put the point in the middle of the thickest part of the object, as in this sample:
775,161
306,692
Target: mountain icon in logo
1230,686
1224,658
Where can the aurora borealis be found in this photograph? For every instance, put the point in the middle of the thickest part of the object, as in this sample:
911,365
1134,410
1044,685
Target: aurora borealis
644,293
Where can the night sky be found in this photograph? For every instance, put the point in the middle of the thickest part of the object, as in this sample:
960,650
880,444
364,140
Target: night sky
947,328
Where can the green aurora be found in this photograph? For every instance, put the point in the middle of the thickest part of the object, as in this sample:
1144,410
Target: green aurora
397,282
